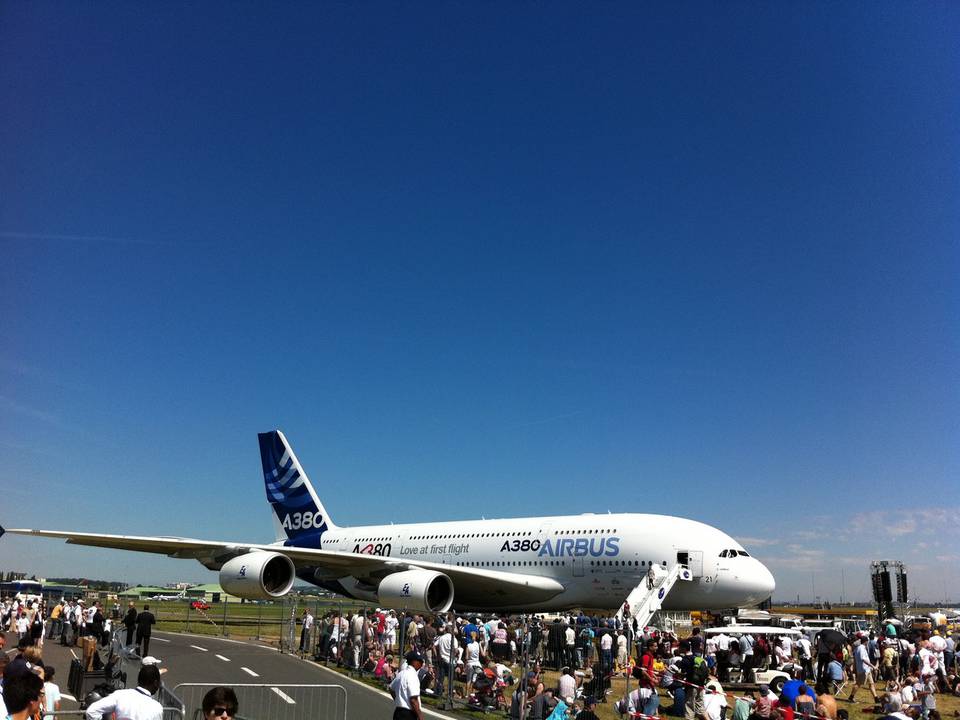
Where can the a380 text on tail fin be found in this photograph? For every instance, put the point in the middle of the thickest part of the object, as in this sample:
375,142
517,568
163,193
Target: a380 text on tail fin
301,517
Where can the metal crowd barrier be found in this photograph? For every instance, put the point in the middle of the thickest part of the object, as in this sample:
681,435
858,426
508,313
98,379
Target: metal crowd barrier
265,701
173,713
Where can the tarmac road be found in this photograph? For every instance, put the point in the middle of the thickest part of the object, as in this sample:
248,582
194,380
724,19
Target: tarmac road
205,659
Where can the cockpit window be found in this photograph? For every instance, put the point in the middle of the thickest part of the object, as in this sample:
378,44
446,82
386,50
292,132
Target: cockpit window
743,552
723,553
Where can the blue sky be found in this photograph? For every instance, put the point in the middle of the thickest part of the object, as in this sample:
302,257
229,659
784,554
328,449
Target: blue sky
485,259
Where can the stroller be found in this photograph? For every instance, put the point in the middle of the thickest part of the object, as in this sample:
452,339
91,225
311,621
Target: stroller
487,692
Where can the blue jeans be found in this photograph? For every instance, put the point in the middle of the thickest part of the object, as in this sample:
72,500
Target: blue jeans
651,705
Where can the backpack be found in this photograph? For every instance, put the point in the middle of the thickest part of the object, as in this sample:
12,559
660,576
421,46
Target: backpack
700,672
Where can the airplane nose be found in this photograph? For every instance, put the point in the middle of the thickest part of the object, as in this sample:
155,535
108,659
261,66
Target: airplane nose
761,580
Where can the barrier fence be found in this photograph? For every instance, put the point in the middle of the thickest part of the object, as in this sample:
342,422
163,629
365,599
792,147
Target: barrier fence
266,701
266,621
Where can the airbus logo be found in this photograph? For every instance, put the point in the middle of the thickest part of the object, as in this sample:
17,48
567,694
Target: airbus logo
405,590
302,520
581,546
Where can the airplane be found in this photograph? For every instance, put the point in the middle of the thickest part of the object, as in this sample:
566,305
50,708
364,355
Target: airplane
181,596
533,564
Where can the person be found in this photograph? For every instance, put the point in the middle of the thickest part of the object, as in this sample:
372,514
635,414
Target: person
56,623
694,669
805,655
541,705
97,622
22,695
219,701
390,625
927,694
644,671
51,691
305,629
793,690
714,702
135,703
826,702
405,689
743,706
145,623
864,671
589,711
567,685
130,623
473,666
834,675
446,651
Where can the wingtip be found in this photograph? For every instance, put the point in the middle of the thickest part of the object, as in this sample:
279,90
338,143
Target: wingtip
2,531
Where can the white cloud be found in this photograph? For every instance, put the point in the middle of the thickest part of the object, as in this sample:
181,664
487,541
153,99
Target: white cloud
757,542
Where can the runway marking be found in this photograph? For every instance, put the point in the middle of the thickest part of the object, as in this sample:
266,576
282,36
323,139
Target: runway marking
248,671
207,637
160,639
225,659
68,697
342,678
282,694
197,647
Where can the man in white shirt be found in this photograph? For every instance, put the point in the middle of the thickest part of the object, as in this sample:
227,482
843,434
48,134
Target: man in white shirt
723,653
714,702
746,652
567,685
864,670
446,648
132,704
305,629
405,689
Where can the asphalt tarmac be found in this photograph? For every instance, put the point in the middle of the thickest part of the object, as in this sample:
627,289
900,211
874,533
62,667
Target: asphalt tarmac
206,659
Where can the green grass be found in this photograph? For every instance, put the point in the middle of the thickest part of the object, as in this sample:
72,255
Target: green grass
264,621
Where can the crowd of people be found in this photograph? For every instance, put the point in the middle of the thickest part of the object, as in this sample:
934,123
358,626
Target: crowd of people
503,663
66,620
28,690
477,662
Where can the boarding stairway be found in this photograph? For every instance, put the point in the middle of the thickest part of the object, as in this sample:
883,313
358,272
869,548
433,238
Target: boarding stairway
647,598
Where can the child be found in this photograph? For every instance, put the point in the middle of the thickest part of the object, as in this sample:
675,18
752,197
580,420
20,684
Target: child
926,693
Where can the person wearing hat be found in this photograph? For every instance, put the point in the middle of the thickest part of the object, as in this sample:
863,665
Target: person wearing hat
405,689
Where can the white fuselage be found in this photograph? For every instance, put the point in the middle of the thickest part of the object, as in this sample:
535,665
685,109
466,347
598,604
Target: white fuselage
598,559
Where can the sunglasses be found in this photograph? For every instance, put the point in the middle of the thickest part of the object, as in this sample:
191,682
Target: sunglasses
218,711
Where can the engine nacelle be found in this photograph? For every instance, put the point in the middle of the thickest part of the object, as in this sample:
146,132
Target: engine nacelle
423,590
258,575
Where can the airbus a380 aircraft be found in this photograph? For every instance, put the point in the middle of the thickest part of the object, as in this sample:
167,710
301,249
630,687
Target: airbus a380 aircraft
535,564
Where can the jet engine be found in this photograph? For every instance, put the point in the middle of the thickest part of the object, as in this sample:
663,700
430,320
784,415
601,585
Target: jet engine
258,575
423,590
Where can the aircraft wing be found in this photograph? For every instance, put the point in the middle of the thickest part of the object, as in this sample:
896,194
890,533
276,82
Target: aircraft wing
471,585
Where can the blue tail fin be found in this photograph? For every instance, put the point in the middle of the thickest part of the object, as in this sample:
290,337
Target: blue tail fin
299,515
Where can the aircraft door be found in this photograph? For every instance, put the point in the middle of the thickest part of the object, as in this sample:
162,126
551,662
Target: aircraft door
693,559
578,567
